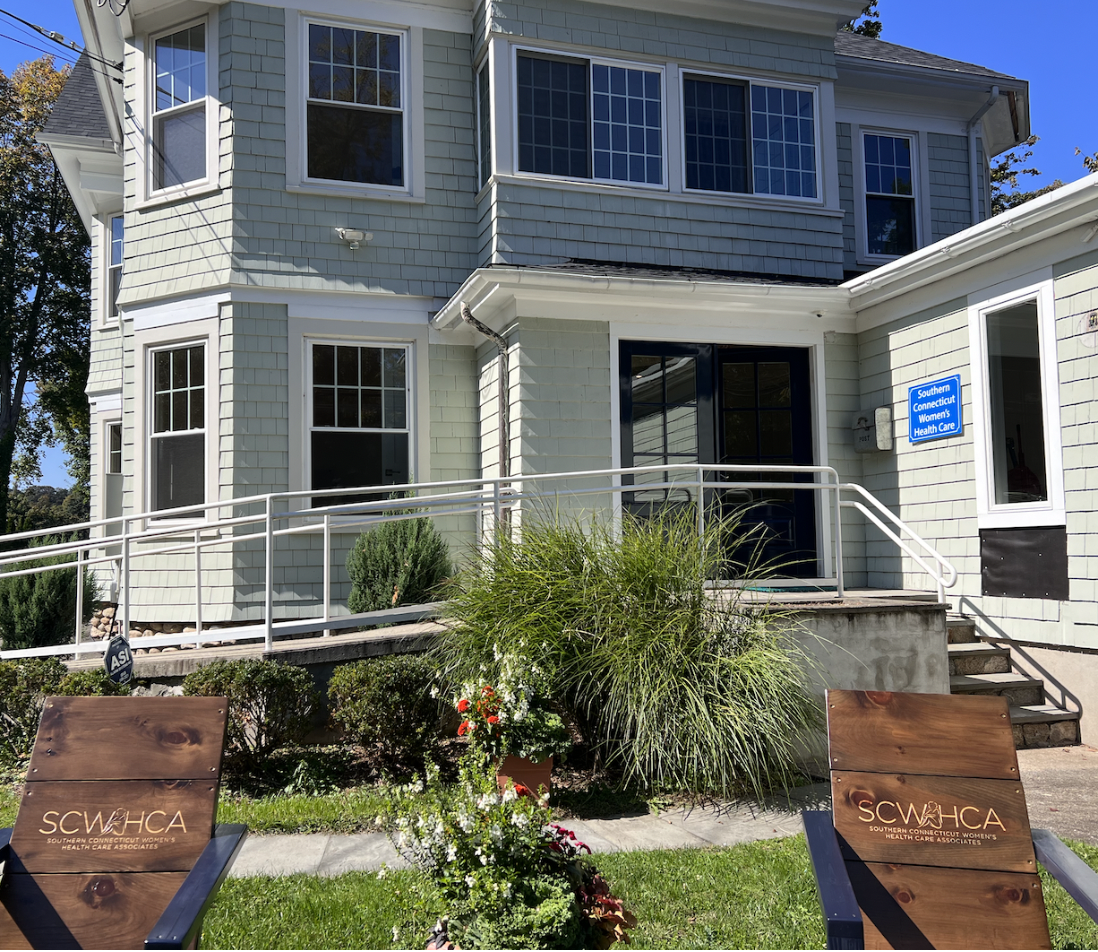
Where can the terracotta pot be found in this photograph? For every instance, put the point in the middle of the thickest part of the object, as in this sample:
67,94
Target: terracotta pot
525,771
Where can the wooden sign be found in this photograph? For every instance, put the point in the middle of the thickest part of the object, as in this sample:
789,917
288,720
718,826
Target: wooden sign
129,738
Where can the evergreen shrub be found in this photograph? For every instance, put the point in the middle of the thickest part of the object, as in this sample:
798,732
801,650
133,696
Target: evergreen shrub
271,705
40,609
396,563
388,704
24,686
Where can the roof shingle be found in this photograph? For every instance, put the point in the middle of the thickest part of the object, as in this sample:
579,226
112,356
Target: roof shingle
79,110
864,47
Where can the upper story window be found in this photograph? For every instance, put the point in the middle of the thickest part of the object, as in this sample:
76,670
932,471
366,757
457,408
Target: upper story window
114,264
484,126
359,416
749,137
889,195
179,108
178,438
588,119
355,106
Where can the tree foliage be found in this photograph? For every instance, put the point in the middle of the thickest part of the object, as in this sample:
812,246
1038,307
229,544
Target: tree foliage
868,24
1090,162
1005,192
44,286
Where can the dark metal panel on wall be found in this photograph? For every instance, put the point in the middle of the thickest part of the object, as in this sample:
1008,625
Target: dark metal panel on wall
1025,563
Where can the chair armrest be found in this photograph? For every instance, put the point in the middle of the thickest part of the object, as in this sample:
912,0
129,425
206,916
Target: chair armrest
1068,870
181,922
842,916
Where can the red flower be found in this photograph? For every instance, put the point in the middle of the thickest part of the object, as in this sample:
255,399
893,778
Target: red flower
463,728
522,790
493,719
487,691
463,706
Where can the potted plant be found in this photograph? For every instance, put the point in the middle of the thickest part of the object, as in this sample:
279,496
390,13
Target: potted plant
515,727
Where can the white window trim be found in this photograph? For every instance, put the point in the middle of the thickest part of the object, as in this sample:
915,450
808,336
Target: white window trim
169,338
148,194
750,81
591,60
355,329
1053,511
920,180
412,91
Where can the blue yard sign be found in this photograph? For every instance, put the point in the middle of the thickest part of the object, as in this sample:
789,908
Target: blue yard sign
934,409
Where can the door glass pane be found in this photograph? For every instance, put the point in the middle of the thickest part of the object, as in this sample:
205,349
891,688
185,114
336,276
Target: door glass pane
647,379
739,385
682,431
681,380
1016,405
647,430
776,428
774,384
740,435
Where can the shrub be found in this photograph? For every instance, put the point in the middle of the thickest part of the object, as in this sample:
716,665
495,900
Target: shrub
389,704
40,609
92,682
397,563
271,705
24,686
678,690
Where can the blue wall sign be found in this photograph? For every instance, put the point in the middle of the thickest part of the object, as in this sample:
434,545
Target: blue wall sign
934,409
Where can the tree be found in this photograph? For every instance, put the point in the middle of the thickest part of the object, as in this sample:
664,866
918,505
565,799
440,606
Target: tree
44,285
1090,162
868,24
1004,180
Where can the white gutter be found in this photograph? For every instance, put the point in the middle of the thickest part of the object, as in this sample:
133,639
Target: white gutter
973,189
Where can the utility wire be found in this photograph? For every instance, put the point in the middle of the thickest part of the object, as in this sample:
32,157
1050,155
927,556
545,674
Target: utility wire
31,46
60,40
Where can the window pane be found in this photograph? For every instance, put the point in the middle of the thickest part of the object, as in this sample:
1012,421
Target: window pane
180,148
324,406
553,117
198,410
782,121
162,370
179,467
888,165
484,116
371,366
356,145
1016,405
114,448
196,368
349,460
739,384
371,409
631,135
776,433
682,431
179,369
395,416
181,67
774,384
716,138
323,364
648,431
347,366
394,368
740,435
347,407
890,225
681,379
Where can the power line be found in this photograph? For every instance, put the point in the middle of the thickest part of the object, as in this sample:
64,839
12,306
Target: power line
31,46
60,40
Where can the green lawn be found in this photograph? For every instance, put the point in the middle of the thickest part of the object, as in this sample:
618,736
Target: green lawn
756,895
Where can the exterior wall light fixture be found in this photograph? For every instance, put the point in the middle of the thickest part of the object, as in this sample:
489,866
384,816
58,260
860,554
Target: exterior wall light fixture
354,237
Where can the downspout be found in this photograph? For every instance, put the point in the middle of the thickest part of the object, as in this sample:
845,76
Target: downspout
504,403
973,171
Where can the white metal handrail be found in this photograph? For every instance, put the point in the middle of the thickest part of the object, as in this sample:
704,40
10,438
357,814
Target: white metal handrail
276,516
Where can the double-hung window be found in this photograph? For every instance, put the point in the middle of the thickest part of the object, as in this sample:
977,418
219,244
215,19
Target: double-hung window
590,119
114,264
178,439
360,421
179,108
748,137
355,105
889,195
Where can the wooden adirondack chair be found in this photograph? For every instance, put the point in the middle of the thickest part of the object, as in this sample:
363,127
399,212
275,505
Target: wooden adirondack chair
929,843
114,845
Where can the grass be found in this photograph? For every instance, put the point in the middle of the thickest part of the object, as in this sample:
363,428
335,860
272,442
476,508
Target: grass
9,805
348,811
755,895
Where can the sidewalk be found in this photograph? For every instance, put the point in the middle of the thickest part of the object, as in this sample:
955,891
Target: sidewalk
1061,786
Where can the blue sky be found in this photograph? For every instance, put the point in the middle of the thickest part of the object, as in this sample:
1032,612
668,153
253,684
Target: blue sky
1054,51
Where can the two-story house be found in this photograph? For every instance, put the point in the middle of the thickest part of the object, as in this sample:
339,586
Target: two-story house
707,235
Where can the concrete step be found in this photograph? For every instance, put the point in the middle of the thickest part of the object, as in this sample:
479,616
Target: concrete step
978,658
960,629
1043,725
1018,689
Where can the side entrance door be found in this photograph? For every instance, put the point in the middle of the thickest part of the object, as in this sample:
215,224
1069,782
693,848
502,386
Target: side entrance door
704,403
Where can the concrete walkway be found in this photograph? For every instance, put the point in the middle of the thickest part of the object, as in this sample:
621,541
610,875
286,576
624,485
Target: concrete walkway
1061,791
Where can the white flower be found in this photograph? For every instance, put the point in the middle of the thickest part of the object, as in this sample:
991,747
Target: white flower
451,853
396,935
520,820
381,874
470,881
509,795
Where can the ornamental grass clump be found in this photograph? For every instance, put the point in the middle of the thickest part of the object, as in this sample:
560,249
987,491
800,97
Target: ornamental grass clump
677,689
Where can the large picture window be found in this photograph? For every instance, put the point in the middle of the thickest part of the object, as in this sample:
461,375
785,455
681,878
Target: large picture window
355,105
585,119
749,137
179,108
178,439
359,416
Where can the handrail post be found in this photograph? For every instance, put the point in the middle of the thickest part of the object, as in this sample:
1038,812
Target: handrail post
197,587
327,570
840,584
701,506
125,577
79,598
268,604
